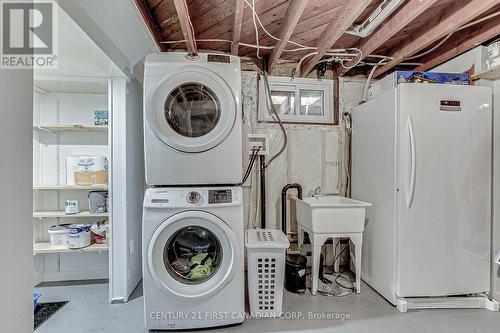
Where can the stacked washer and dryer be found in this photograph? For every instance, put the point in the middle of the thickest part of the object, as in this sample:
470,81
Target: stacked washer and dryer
193,255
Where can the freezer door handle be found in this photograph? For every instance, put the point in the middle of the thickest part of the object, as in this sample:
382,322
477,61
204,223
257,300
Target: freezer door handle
413,163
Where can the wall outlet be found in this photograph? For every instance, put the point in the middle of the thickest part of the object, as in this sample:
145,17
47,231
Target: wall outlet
258,141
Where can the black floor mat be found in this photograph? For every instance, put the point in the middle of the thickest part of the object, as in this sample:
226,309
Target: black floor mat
44,311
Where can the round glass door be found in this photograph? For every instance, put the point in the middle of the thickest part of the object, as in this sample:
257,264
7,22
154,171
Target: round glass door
193,255
192,111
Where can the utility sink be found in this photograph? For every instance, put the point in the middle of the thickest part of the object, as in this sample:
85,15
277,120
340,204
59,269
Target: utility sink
331,214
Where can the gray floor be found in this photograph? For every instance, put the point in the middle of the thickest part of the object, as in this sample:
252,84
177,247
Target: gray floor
89,311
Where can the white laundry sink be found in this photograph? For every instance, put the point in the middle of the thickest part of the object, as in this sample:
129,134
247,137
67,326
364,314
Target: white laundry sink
331,214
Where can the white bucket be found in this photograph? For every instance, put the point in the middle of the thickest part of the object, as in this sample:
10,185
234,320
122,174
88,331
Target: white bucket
78,236
89,163
58,236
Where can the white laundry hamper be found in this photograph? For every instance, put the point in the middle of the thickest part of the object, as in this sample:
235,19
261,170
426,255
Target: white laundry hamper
266,270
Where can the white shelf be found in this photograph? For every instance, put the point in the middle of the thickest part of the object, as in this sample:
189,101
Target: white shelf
490,74
49,214
45,247
80,128
70,187
70,84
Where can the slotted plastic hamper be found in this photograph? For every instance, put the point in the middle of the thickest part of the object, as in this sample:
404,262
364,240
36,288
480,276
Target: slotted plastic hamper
266,270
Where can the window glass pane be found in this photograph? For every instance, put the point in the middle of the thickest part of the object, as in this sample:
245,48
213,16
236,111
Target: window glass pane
283,101
311,102
192,110
192,255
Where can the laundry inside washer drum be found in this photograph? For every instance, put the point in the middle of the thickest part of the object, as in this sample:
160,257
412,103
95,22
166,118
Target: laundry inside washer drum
192,255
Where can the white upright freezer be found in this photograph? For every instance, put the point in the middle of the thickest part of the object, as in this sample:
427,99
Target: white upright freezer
421,153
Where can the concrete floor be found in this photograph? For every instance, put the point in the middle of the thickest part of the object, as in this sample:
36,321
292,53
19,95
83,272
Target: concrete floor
89,311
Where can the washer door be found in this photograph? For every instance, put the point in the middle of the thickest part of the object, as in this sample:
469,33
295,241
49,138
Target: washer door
193,255
192,111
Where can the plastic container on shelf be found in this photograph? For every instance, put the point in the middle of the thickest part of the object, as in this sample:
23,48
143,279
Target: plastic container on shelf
266,269
58,236
98,202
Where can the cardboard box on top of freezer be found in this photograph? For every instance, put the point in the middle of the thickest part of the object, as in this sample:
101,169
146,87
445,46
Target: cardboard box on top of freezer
493,55
392,80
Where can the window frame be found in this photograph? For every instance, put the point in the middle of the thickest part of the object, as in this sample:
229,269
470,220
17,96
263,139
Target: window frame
296,85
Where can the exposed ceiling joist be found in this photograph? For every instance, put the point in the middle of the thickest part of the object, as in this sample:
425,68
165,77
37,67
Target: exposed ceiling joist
187,28
405,15
238,19
462,11
293,14
470,39
150,23
351,10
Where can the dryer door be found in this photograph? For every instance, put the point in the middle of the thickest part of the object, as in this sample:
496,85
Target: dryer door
192,111
193,255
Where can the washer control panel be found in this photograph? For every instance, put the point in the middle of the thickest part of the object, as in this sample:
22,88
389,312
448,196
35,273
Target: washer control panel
163,197
220,196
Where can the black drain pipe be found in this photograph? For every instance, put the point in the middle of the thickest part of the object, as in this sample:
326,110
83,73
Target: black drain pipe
283,202
262,191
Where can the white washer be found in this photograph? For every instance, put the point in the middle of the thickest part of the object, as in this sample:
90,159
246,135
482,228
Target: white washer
192,119
193,274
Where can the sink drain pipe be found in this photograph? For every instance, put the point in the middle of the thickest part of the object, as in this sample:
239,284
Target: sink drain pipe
283,202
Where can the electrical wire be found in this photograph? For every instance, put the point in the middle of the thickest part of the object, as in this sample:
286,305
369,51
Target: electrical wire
357,62
343,271
256,16
369,79
273,110
255,27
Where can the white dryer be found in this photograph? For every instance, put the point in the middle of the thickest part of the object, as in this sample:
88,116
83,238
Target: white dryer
192,119
193,273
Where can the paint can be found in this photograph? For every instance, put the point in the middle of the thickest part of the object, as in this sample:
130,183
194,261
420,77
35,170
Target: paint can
58,235
71,207
98,202
78,236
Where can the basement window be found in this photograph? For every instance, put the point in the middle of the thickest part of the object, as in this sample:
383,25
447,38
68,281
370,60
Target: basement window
297,100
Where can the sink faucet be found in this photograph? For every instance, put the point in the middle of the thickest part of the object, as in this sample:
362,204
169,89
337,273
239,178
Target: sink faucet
317,192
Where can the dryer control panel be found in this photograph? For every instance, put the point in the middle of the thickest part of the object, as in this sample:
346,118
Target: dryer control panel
192,197
219,196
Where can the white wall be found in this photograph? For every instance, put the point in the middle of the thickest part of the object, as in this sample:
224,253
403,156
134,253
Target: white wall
128,189
116,27
496,187
311,155
78,54
16,249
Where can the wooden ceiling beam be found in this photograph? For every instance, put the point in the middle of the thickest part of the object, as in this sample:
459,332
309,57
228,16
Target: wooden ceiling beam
404,16
473,37
351,10
150,23
462,11
292,17
238,20
187,28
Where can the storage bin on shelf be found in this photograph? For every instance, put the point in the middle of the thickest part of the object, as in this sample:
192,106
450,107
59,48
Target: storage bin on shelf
266,266
86,170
